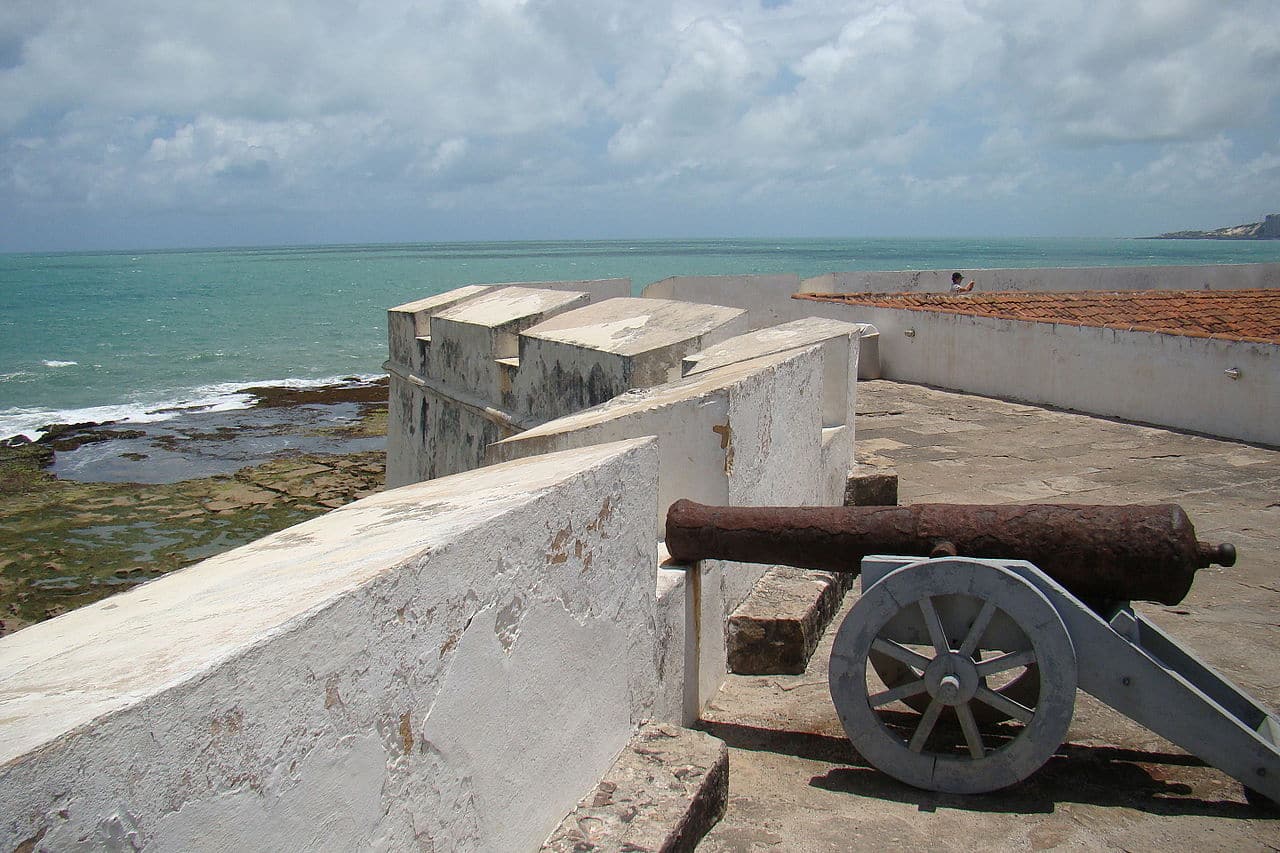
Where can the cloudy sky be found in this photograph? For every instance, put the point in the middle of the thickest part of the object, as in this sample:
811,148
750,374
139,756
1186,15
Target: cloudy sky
151,123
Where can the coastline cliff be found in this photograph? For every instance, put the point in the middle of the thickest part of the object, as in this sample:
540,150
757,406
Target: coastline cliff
1267,229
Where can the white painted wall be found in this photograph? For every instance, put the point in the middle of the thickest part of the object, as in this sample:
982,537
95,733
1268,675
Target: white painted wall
468,338
745,433
721,433
1210,277
840,358
445,666
501,358
1168,380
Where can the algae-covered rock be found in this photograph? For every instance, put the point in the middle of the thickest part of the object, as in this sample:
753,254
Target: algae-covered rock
65,544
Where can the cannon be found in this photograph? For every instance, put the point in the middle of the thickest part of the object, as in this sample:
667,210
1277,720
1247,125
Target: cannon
1100,553
956,669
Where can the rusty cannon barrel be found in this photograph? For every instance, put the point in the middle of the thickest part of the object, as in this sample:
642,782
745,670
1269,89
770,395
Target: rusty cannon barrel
1099,553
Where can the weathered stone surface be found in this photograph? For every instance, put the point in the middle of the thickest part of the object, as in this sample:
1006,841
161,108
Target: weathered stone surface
90,530
454,359
871,486
665,791
839,340
775,630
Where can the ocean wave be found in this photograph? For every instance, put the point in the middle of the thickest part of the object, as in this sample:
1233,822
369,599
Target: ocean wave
16,376
55,363
218,397
31,422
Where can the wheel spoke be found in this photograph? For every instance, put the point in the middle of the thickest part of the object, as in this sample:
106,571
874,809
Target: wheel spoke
927,722
1014,710
1005,662
902,691
969,726
900,653
978,628
937,634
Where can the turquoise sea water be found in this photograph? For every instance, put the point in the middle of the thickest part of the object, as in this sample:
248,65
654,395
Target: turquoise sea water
129,335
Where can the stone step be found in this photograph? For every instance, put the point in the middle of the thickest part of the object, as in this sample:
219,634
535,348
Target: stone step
776,629
666,789
871,485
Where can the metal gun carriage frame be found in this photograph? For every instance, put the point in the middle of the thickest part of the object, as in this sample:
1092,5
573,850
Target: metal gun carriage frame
958,671
976,641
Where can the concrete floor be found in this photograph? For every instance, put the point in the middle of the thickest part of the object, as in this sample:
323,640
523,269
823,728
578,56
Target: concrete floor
797,784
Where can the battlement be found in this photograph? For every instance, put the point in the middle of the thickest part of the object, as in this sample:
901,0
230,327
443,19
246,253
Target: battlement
482,363
355,680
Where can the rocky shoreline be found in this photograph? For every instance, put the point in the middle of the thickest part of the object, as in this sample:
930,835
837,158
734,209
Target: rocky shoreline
65,542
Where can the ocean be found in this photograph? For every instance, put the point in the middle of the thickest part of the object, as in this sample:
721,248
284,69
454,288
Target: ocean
146,336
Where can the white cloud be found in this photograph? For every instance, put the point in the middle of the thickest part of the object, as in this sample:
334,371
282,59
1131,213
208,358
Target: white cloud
350,107
1088,72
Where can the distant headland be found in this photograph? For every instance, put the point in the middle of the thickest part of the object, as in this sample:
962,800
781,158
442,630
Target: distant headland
1267,229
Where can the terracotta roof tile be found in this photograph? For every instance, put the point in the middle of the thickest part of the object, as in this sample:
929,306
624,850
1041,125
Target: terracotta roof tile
1245,315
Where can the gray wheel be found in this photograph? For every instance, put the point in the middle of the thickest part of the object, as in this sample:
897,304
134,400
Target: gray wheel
937,619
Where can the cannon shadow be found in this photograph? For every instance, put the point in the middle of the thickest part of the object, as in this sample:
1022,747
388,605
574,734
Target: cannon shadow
1084,774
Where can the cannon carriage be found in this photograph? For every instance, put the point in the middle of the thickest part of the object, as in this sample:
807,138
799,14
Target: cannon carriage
957,668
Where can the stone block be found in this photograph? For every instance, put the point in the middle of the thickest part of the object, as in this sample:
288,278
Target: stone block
776,629
409,326
667,788
470,337
840,359
589,355
871,486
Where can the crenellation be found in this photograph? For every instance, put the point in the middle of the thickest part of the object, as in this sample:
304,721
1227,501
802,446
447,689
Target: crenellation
502,358
475,333
454,394
738,411
841,340
582,358
409,325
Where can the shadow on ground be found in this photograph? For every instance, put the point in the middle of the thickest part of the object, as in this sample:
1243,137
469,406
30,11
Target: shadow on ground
1094,775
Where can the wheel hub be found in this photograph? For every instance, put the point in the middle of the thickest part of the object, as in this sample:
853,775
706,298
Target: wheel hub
952,679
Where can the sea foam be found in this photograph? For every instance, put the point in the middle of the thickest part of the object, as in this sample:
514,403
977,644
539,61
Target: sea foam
220,397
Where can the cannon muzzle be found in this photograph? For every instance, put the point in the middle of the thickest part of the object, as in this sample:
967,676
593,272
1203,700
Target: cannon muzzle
1099,553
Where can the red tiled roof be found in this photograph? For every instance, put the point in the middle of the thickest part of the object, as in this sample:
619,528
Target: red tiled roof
1245,315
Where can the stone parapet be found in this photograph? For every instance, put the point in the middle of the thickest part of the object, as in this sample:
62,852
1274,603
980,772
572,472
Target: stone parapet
470,337
409,669
452,362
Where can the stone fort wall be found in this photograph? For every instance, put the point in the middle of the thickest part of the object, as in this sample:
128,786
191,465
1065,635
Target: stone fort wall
1218,386
454,662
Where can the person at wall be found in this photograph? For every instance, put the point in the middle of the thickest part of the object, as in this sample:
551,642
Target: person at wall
957,287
